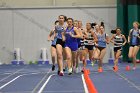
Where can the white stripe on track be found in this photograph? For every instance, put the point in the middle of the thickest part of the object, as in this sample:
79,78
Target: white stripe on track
42,88
10,82
84,83
130,82
15,79
12,74
126,79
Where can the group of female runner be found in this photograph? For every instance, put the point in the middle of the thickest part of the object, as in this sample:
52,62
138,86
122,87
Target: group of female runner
72,42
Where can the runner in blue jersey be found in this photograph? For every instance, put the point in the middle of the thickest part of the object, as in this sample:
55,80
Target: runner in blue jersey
59,29
133,39
81,47
75,68
71,34
103,39
53,38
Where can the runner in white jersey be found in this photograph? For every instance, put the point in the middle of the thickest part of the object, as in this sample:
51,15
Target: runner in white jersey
90,39
119,41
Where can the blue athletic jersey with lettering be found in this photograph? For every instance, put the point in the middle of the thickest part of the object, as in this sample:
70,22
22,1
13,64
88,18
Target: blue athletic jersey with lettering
70,41
59,29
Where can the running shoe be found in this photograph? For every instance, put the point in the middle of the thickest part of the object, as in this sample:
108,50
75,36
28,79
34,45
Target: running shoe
61,73
58,72
53,67
70,71
64,69
83,70
134,68
93,62
115,68
100,69
77,70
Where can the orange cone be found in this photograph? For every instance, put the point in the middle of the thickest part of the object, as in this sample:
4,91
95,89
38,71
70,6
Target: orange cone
88,71
89,83
85,72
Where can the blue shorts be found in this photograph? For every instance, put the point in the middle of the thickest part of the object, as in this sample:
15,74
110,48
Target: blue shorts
72,46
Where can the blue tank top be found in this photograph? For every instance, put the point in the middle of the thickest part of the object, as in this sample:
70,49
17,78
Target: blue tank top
70,39
79,41
101,40
54,41
59,29
134,39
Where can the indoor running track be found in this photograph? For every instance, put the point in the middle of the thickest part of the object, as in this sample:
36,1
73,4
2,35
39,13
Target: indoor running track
40,79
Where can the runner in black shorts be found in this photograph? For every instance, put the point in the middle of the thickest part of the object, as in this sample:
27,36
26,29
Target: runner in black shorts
53,38
89,41
81,46
59,30
134,40
118,40
103,39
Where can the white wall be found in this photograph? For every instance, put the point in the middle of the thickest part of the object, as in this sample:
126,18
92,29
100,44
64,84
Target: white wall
28,29
5,35
84,2
44,3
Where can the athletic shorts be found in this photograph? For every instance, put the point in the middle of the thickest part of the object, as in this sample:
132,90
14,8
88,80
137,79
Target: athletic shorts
79,45
89,47
101,48
60,42
117,48
72,46
133,45
82,47
53,46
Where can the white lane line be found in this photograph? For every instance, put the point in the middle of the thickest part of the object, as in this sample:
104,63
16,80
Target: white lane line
39,83
15,79
127,80
42,88
131,83
9,82
4,74
12,74
73,91
84,83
